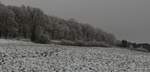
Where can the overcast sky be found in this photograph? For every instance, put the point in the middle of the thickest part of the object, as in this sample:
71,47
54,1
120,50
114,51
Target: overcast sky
127,19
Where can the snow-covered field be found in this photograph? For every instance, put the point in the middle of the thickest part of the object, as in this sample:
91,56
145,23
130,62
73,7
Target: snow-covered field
19,56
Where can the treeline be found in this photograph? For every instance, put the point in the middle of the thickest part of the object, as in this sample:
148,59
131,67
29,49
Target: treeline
134,45
31,23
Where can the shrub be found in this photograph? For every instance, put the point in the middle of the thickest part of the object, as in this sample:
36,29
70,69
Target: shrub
55,42
68,42
92,43
44,39
85,43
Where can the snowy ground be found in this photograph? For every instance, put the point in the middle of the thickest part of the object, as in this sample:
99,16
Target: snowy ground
19,56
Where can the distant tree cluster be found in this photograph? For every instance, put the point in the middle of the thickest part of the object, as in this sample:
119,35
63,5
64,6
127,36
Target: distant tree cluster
31,23
133,45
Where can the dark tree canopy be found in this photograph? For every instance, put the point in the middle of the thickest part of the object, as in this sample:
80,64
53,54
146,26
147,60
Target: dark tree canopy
31,23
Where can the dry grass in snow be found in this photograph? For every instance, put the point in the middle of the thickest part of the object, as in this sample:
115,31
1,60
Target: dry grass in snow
29,57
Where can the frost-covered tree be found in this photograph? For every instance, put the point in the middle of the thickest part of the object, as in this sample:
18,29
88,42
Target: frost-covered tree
31,23
8,25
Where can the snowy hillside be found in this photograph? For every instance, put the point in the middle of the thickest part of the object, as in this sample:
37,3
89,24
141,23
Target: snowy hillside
19,56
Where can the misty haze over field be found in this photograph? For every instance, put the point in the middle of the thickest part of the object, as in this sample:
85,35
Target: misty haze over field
127,19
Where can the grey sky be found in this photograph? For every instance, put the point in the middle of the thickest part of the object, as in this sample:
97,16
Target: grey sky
127,19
